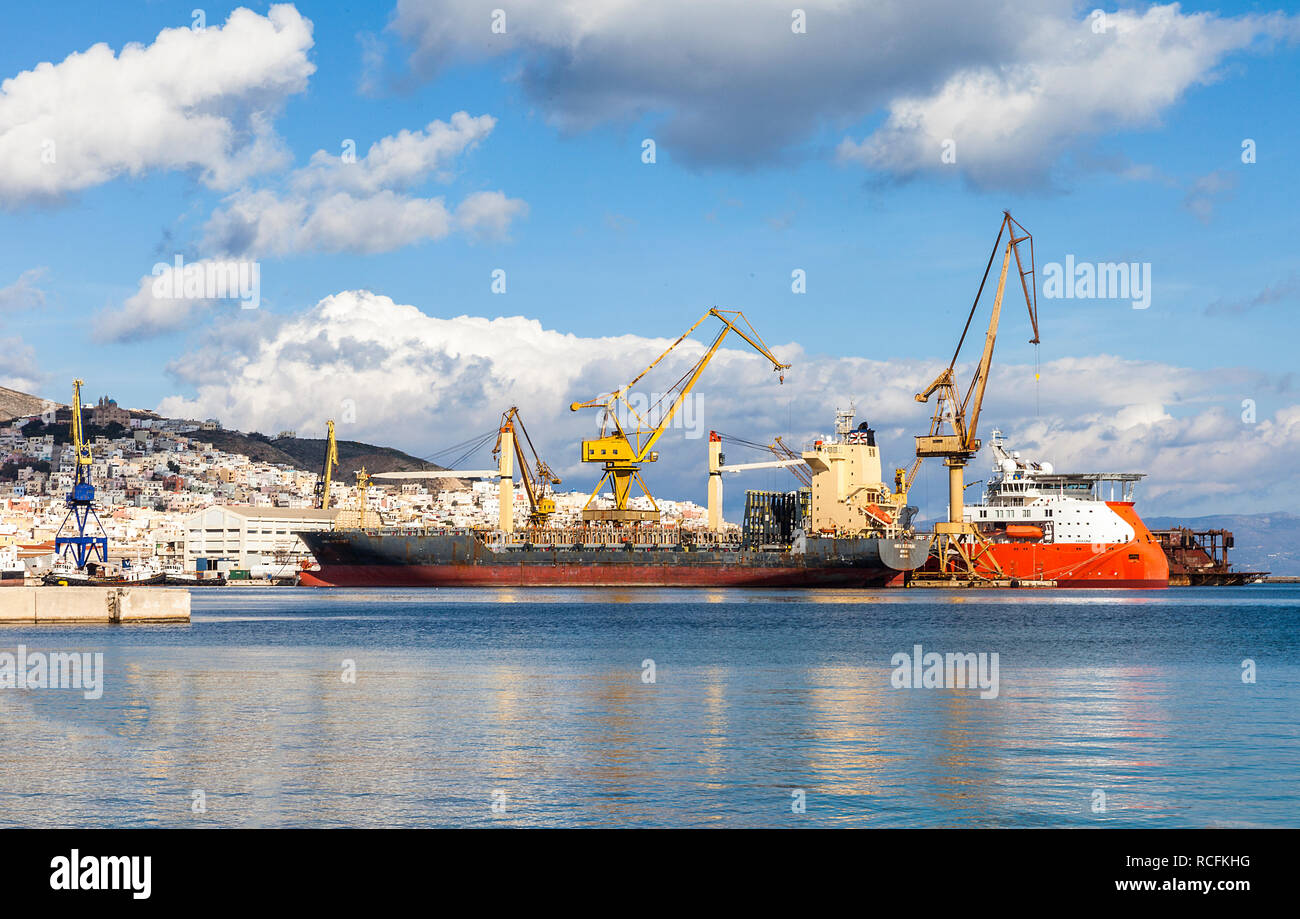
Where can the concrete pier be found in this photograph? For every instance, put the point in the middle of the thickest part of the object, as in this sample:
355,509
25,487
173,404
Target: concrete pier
39,605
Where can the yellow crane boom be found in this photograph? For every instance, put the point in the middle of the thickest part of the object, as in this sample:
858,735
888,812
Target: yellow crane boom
962,413
622,451
327,469
79,443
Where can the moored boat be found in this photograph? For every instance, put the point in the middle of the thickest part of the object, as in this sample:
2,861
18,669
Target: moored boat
1070,528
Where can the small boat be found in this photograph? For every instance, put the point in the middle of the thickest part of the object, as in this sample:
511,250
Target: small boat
97,575
82,579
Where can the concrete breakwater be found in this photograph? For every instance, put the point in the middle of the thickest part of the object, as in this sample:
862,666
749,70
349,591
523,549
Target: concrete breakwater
29,605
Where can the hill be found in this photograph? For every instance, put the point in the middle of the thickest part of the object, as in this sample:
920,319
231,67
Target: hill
15,404
299,452
1263,542
308,453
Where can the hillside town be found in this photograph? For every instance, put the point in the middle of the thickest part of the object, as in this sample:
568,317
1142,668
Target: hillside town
169,499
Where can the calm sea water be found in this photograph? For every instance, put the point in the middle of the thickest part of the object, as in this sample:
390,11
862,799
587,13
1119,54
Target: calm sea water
536,701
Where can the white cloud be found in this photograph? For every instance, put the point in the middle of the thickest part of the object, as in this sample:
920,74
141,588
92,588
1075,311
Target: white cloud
146,314
335,206
422,382
190,100
262,223
1008,122
488,214
399,160
18,367
1016,82
23,293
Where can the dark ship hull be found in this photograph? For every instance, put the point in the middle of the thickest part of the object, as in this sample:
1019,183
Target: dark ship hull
397,558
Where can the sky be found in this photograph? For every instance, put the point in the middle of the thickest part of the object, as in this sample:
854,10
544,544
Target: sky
452,207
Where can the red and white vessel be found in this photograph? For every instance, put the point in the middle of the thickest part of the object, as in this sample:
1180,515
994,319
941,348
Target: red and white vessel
1038,524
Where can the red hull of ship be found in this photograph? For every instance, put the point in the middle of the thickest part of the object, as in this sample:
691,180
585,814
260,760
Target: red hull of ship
1140,563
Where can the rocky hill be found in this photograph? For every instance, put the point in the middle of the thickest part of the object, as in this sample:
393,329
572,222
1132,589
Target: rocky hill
308,453
299,452
15,404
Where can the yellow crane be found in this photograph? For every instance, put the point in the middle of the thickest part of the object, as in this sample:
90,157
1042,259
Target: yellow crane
363,491
962,412
622,451
537,480
327,469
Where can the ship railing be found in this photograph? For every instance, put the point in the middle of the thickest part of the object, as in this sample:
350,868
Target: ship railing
596,537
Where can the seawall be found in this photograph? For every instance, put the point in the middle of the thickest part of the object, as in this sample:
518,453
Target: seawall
38,605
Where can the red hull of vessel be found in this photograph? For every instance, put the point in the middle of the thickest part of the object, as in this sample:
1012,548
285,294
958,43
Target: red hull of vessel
1140,563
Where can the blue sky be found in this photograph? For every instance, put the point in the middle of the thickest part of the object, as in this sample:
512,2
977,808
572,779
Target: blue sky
611,246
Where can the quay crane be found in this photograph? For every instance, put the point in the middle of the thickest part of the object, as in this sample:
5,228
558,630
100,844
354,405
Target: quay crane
363,491
537,481
623,451
91,540
962,413
537,478
322,490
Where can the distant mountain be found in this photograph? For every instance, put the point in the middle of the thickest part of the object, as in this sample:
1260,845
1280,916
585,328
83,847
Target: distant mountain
309,453
299,452
15,404
1263,542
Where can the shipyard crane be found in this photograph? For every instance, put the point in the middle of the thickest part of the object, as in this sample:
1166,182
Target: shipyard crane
961,412
91,540
327,469
537,481
363,492
622,451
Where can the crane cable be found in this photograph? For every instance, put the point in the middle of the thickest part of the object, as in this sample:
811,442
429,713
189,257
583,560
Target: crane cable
681,381
470,445
744,443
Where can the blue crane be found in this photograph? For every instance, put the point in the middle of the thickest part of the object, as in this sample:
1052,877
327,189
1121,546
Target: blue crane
91,540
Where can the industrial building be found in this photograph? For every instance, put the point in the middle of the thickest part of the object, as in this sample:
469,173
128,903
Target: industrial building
260,540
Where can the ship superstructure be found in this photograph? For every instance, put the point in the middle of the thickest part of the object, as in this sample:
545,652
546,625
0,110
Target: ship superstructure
1077,529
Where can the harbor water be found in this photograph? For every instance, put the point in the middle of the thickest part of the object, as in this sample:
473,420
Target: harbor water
301,707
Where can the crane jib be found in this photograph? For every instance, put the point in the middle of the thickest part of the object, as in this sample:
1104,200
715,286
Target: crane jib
621,451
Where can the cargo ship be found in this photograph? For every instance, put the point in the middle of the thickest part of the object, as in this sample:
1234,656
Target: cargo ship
1035,527
847,530
1073,529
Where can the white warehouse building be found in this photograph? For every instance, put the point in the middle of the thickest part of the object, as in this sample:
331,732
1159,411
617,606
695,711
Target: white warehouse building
260,540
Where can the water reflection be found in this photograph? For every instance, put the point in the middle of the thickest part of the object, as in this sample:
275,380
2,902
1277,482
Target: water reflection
752,698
